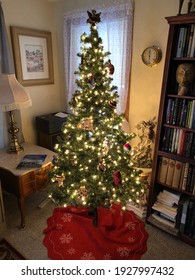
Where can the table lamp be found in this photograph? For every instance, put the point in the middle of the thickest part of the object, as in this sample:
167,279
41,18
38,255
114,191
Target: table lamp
13,96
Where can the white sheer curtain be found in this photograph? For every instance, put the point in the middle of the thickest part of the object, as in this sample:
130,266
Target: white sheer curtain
115,29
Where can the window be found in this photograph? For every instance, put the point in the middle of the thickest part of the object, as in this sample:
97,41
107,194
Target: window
115,29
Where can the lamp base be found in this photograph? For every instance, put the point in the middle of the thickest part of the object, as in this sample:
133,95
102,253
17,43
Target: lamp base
14,146
15,150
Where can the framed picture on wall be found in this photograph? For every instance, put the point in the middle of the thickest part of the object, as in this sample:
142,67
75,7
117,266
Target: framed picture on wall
33,57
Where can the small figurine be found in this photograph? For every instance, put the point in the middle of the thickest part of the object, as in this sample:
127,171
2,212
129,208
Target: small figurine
185,75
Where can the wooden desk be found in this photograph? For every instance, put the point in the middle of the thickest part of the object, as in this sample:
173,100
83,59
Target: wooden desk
2,212
22,183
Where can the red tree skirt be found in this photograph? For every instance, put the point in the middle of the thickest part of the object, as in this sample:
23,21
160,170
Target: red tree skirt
71,235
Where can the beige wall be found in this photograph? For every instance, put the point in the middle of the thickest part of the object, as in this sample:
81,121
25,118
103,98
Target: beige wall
37,14
150,28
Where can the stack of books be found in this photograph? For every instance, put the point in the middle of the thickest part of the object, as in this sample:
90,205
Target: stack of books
139,209
165,207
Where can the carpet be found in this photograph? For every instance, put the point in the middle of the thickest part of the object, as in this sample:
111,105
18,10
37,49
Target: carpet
8,252
71,235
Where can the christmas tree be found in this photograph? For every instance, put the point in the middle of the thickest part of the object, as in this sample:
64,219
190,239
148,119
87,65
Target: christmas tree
92,166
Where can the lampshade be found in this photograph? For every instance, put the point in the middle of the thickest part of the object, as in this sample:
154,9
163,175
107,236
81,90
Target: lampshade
12,94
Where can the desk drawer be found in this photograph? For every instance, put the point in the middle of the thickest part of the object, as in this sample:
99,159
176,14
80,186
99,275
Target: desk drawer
42,178
26,178
29,188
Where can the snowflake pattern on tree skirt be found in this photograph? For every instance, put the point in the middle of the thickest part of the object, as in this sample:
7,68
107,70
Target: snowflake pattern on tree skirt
66,238
71,235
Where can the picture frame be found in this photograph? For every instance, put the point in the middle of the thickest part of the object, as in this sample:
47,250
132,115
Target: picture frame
32,50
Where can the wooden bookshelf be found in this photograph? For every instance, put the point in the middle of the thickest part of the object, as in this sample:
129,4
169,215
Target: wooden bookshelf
175,137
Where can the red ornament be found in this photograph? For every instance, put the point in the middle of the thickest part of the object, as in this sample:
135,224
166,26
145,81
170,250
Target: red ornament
110,68
127,147
117,178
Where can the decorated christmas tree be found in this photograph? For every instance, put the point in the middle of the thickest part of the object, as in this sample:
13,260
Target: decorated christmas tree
92,166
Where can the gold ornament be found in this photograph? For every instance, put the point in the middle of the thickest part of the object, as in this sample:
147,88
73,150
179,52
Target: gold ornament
86,124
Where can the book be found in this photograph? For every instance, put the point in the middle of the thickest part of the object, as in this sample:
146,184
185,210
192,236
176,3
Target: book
192,184
190,40
173,150
186,43
170,140
167,210
170,170
184,182
189,178
172,110
176,140
175,111
167,138
184,214
188,144
168,198
165,221
168,111
184,114
181,204
163,170
180,42
180,106
181,120
181,142
177,174
192,114
192,46
31,162
190,216
182,175
189,109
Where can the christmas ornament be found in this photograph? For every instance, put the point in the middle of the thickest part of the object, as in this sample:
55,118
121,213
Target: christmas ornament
113,104
107,145
110,67
101,167
54,160
82,192
94,17
91,80
117,178
86,124
60,180
127,147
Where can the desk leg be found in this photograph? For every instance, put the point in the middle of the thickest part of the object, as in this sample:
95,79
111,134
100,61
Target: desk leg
21,208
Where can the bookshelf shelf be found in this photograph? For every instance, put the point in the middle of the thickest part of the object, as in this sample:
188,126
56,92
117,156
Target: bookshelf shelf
182,97
172,187
184,58
176,157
